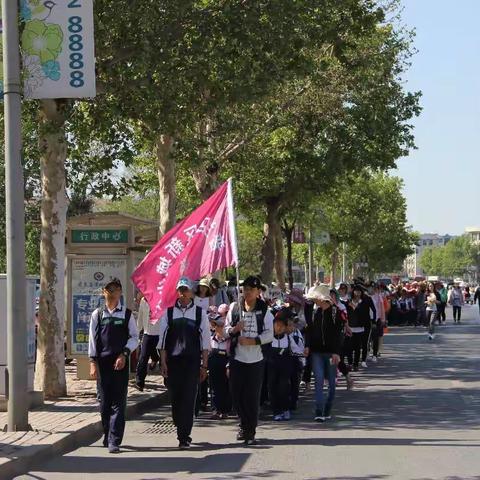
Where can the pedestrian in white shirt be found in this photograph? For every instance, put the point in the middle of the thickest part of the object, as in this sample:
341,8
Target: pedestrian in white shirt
184,345
249,327
151,333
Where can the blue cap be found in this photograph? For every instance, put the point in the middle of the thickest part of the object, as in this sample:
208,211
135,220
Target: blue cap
185,282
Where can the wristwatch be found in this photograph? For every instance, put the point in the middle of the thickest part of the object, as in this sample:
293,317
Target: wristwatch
126,352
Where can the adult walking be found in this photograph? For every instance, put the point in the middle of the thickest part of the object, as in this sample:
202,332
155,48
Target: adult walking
379,322
456,300
148,350
420,305
359,318
184,345
323,342
476,297
249,325
113,335
433,300
441,307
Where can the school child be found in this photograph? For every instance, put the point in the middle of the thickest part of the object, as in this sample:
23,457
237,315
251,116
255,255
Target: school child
113,336
280,363
298,347
217,363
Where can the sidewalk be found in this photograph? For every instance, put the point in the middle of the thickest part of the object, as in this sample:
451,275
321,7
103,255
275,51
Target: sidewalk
61,426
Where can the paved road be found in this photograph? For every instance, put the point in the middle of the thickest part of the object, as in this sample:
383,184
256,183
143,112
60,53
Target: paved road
414,415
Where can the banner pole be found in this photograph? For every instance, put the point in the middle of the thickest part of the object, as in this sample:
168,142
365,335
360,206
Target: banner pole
233,231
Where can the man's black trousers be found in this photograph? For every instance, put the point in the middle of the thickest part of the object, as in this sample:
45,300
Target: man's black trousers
182,384
246,385
112,386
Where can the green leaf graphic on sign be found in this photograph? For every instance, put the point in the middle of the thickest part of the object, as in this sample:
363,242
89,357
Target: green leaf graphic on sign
42,40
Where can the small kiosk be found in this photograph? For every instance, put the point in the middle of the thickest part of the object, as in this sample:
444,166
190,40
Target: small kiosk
100,246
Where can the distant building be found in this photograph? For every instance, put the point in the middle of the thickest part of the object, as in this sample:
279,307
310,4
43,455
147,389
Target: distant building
412,262
474,234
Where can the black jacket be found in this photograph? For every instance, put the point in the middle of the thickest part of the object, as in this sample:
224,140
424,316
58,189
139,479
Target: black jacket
360,316
324,333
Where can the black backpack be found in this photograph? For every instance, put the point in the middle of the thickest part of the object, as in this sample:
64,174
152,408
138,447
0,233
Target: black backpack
261,309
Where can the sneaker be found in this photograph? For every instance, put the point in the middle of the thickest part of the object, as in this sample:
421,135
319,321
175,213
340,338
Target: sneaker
302,384
286,415
319,416
430,336
223,416
113,449
105,441
328,417
139,386
350,383
279,417
250,442
216,416
364,365
374,359
152,366
241,435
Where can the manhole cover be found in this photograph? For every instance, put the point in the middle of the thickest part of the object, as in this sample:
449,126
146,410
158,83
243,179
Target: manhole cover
162,427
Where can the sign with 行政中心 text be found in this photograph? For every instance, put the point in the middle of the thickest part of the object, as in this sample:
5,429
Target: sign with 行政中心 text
100,236
57,48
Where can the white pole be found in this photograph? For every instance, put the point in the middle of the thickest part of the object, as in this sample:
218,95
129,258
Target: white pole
233,234
15,225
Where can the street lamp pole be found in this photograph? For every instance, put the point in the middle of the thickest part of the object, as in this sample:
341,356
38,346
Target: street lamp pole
15,224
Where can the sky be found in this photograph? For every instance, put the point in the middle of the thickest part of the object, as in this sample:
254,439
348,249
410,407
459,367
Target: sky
442,177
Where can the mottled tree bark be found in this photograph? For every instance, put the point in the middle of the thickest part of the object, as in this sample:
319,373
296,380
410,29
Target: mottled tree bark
166,182
268,247
50,367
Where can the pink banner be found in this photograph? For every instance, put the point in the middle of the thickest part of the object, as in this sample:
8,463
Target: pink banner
202,243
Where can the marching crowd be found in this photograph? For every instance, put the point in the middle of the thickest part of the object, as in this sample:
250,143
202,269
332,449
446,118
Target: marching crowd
241,354
238,354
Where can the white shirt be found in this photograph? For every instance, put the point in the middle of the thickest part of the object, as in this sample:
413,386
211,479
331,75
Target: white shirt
117,312
185,312
251,353
143,320
203,303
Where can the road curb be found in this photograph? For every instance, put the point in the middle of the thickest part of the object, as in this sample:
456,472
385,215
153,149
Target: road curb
66,442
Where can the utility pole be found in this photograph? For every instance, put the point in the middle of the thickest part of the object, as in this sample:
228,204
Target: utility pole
15,224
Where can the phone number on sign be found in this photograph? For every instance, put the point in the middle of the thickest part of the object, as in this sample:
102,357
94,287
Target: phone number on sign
75,47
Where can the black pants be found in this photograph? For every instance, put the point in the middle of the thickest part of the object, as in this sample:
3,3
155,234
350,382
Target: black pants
442,316
147,351
219,385
375,337
295,378
246,384
457,313
307,371
366,341
112,386
279,372
182,383
355,348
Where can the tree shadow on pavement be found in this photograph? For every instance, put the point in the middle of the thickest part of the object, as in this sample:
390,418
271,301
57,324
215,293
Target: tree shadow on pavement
218,463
